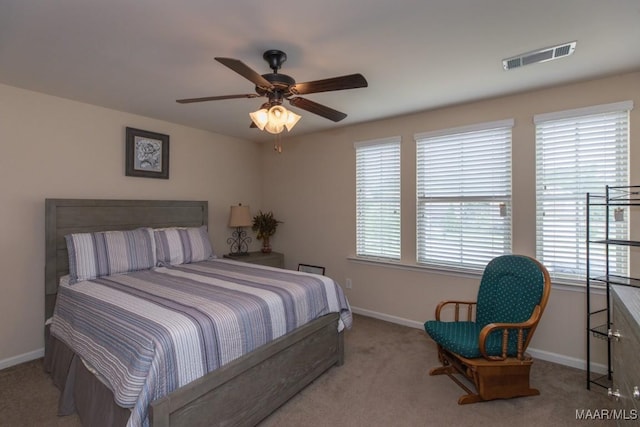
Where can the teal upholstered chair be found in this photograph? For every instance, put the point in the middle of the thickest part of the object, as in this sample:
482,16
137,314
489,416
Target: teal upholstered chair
488,345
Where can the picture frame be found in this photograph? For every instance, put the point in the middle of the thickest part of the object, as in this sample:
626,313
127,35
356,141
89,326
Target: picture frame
308,268
146,154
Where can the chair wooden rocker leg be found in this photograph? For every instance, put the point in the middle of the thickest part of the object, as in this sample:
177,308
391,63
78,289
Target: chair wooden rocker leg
502,380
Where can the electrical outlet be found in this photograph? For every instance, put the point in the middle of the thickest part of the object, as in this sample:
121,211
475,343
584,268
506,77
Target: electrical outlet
348,283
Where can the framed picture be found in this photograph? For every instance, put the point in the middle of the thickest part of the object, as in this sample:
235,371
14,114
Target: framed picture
315,269
147,154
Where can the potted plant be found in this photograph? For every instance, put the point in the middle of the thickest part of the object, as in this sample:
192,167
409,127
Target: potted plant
265,225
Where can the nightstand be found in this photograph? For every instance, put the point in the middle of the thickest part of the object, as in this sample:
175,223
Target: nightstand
273,259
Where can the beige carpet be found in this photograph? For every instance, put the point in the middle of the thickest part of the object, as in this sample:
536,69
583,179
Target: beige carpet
384,382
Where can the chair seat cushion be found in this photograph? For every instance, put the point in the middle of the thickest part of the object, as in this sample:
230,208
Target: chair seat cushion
462,338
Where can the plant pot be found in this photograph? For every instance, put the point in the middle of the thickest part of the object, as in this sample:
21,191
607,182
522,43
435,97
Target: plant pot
266,247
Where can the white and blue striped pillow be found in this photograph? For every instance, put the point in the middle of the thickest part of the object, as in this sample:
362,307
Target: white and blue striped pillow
93,255
179,245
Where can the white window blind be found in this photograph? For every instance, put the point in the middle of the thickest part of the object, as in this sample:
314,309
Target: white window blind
378,198
464,195
578,152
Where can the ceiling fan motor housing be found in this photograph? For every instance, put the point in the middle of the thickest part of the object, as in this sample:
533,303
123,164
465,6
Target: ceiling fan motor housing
280,89
275,58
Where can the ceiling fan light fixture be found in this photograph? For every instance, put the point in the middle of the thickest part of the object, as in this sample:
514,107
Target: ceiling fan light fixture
292,119
275,119
260,118
274,128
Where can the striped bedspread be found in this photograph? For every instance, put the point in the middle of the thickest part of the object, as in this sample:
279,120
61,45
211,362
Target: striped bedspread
148,332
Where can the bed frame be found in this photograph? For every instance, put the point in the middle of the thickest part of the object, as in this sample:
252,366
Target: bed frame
242,392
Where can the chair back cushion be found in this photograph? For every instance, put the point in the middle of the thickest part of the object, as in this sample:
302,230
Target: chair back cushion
511,287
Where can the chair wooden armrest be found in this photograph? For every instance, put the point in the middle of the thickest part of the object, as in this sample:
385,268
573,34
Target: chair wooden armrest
531,324
469,304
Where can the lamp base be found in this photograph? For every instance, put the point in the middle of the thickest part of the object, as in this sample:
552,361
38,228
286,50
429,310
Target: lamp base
239,243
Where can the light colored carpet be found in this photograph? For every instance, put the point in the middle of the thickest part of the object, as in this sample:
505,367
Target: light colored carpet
384,382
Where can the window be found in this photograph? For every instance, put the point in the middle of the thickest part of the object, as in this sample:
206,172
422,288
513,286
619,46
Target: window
378,198
578,151
464,195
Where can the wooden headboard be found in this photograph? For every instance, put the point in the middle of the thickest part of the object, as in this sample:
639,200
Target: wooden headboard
66,216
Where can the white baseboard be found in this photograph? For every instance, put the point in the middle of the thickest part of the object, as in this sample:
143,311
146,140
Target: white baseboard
548,356
561,359
21,358
388,318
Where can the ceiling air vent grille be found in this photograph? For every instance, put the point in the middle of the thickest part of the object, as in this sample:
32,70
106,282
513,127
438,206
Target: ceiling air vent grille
541,55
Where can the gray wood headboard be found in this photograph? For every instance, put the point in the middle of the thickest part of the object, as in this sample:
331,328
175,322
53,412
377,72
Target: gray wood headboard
66,216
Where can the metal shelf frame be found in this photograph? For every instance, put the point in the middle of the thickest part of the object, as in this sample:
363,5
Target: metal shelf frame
614,197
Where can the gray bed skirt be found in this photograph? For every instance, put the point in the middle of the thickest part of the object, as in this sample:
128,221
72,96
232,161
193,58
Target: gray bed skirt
80,391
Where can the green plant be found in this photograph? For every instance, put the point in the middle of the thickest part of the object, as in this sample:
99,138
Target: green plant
265,225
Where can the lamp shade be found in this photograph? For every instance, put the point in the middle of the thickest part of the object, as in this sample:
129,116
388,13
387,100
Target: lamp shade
240,216
292,119
260,118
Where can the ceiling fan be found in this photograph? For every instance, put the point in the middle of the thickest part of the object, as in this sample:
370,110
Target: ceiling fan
277,87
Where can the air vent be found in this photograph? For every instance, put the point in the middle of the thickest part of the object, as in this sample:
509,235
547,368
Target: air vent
542,55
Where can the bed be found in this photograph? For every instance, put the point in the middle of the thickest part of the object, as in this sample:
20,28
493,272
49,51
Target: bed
240,392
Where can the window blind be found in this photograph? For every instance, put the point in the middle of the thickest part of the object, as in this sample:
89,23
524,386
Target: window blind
464,195
578,152
378,198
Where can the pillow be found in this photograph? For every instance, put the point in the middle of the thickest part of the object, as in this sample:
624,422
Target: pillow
93,255
180,245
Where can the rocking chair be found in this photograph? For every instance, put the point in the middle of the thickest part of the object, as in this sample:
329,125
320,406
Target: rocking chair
490,350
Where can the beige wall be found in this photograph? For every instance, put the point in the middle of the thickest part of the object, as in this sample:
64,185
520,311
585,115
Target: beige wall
57,148
311,187
53,147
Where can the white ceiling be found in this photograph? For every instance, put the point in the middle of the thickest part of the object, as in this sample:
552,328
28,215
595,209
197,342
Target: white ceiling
140,56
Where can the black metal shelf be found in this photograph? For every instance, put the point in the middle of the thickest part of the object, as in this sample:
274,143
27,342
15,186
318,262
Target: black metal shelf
601,331
613,279
617,196
598,311
605,381
613,198
617,242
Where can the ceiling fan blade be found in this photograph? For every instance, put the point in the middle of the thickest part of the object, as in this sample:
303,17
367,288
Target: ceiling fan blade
215,98
352,81
245,71
319,109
